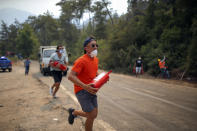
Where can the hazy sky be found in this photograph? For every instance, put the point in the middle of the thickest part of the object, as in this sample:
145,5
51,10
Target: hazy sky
40,6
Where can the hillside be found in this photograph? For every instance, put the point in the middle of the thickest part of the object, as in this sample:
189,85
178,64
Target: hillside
8,15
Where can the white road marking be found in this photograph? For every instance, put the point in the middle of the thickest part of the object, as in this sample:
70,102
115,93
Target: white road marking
160,99
70,94
150,92
55,119
104,124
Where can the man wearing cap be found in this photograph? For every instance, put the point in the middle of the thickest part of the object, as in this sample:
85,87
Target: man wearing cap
138,66
83,72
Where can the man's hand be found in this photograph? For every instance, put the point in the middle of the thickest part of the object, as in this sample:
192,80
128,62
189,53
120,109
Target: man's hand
88,87
58,65
91,89
52,64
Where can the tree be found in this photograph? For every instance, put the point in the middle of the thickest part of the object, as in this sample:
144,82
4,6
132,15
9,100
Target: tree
8,37
45,27
192,57
27,43
4,35
106,3
13,31
100,19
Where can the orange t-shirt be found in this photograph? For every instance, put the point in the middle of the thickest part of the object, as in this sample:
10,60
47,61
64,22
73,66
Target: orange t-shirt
162,64
86,69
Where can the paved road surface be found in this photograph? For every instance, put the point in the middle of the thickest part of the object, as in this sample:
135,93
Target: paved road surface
127,103
132,104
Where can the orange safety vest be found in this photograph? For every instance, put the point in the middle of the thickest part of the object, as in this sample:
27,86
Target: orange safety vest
162,64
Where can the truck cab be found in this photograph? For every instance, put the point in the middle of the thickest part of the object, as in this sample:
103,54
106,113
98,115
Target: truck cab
44,60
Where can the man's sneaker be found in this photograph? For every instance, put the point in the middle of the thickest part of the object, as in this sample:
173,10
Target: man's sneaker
71,117
51,91
54,97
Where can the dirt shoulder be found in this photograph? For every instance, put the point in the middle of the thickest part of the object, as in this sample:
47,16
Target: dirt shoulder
25,104
172,81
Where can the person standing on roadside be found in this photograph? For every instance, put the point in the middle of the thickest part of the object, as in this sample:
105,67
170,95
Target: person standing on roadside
59,57
163,68
27,63
138,66
85,69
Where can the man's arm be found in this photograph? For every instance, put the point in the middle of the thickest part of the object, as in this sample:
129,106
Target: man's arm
164,58
66,61
97,74
73,77
51,62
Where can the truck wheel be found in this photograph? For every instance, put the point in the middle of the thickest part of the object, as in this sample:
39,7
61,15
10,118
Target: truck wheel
44,73
3,70
50,74
10,70
41,71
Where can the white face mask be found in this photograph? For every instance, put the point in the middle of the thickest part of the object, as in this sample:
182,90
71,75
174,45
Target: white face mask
61,51
93,53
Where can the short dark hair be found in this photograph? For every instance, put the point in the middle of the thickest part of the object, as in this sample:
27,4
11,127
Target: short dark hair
88,40
58,47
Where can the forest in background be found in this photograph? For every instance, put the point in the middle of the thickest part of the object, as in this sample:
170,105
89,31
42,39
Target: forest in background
151,29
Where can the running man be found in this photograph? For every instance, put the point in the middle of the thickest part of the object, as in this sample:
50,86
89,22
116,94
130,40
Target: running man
56,72
83,72
27,63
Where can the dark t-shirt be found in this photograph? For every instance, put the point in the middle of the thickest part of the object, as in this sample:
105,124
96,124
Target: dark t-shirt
138,63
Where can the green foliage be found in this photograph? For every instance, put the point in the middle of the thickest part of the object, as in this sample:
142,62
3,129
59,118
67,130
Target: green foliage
78,50
103,53
8,36
45,28
151,53
100,19
159,32
4,38
192,51
27,43
150,29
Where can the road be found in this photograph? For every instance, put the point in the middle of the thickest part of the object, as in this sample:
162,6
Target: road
126,103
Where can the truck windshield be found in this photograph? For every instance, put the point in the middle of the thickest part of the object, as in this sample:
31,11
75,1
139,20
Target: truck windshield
47,53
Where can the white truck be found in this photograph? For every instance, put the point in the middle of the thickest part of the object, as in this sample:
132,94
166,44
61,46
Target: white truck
45,53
